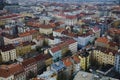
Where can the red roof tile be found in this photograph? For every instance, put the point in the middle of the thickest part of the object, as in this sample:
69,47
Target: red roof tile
67,62
103,40
28,62
8,70
9,16
60,30
76,58
55,49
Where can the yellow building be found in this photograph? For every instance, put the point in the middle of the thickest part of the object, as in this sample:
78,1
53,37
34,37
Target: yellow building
104,55
2,22
24,48
27,14
84,60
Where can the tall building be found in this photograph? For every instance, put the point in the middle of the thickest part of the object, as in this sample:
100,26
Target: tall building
84,60
117,63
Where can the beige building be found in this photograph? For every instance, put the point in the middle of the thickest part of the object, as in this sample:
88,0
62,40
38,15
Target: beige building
8,52
104,55
46,29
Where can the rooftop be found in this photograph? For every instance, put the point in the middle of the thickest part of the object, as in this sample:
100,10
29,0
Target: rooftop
28,62
89,76
8,70
67,61
7,47
55,49
58,66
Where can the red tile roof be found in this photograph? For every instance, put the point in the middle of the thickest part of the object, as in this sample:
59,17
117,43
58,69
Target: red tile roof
70,41
28,62
114,31
9,16
76,58
24,34
107,50
27,33
102,40
55,49
67,62
7,47
60,30
8,70
39,57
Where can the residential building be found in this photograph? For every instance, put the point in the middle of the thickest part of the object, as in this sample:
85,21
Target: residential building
46,29
73,45
52,41
25,36
39,40
69,67
11,39
114,33
8,17
48,75
64,48
70,20
107,43
84,57
41,66
58,66
30,66
8,52
96,31
56,53
89,76
23,48
58,32
48,59
104,55
12,72
76,63
34,33
117,62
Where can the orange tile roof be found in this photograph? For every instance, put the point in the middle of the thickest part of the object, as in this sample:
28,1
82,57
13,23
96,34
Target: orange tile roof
114,31
103,40
60,30
55,49
9,16
24,34
32,31
28,62
67,62
107,50
76,58
8,70
70,41
27,33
